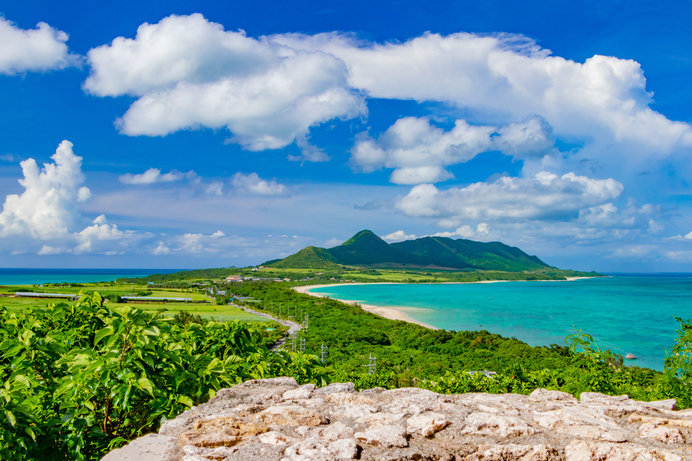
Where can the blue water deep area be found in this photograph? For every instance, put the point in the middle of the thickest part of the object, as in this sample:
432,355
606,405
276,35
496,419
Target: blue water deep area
624,313
32,276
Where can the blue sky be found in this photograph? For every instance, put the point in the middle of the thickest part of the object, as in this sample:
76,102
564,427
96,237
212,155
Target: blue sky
172,134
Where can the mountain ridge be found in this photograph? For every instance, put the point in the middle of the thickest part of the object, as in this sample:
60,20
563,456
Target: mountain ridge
367,249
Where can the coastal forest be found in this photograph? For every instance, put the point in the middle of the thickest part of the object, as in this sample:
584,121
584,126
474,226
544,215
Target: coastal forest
81,378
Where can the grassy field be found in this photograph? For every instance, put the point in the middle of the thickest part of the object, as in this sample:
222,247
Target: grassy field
205,308
412,275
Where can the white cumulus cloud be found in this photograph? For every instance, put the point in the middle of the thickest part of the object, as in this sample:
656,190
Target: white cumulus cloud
197,243
39,49
100,236
398,236
545,196
160,249
253,184
48,207
214,188
152,176
419,151
45,218
510,77
188,73
466,231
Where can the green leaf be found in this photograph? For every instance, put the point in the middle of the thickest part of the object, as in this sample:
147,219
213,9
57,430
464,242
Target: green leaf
152,331
146,385
102,333
187,401
214,365
14,351
23,381
10,417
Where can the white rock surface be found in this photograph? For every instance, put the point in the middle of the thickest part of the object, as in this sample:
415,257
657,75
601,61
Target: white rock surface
276,419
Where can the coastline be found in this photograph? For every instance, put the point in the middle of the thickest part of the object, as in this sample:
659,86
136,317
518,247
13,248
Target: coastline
397,312
388,312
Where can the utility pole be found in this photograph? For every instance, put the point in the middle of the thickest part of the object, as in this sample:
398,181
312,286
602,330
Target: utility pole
372,364
302,344
324,354
306,322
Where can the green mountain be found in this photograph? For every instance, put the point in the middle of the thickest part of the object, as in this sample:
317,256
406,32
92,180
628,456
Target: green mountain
367,249
309,257
364,249
467,254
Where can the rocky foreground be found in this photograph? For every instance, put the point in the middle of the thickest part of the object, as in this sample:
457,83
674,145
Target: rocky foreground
276,419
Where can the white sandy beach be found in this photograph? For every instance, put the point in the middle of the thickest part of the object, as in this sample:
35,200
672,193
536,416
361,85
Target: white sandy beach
397,312
388,312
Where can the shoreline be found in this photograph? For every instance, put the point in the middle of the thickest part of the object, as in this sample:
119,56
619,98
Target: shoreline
388,312
397,312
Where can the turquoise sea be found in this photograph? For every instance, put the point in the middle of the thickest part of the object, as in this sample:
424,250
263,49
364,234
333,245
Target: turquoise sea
40,276
624,313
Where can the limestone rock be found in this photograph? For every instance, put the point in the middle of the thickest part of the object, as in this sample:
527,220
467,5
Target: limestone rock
546,395
151,447
581,450
515,452
427,424
334,432
384,436
344,448
303,392
275,438
483,423
276,419
664,433
290,415
336,387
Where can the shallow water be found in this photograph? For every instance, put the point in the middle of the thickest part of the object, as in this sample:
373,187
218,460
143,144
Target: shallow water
624,313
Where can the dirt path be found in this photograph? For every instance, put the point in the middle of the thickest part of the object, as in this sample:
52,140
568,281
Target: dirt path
293,327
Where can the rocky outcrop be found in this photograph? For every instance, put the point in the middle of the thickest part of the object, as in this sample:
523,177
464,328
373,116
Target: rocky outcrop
276,419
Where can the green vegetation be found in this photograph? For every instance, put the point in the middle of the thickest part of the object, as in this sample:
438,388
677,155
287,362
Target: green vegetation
312,257
462,253
342,274
112,293
446,361
679,362
367,249
78,380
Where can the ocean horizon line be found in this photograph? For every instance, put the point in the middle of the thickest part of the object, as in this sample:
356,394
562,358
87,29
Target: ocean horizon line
177,269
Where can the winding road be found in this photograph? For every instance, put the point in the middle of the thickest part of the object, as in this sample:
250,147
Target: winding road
293,327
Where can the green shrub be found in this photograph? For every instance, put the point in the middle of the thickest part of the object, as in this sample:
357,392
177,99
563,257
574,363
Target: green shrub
76,381
184,317
678,365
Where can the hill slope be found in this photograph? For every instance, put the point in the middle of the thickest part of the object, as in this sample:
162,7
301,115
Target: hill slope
462,254
309,257
367,249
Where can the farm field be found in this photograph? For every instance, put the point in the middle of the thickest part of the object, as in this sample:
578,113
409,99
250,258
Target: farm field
202,305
